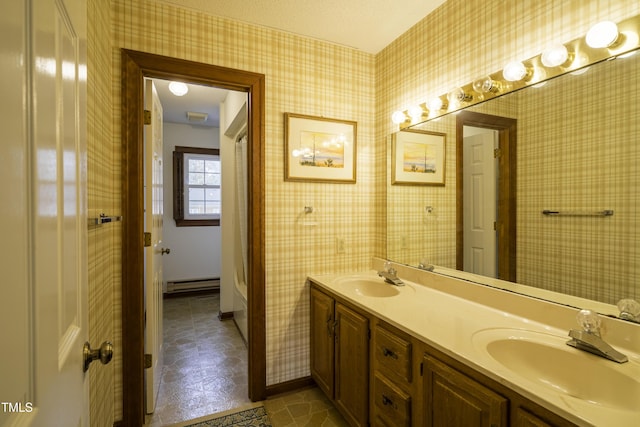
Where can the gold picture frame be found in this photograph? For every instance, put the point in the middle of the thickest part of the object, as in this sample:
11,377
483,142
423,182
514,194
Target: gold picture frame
418,158
319,149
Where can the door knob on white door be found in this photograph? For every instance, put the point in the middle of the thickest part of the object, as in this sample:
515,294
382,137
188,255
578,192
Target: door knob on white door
165,251
104,353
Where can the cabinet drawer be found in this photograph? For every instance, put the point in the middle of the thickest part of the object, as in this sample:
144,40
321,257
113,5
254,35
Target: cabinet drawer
392,405
392,353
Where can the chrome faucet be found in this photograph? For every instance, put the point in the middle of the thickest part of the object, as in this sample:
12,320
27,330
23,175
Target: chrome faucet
390,275
629,310
424,265
589,339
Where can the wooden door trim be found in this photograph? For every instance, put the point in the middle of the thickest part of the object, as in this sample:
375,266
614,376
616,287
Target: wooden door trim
506,230
135,66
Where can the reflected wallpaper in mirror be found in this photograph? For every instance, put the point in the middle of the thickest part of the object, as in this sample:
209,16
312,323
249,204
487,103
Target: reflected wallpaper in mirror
578,151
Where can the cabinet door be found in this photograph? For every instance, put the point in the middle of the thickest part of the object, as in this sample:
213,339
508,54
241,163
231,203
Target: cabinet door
352,365
322,340
453,399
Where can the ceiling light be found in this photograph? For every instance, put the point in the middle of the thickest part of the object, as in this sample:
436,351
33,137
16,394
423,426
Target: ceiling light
514,71
178,88
554,56
603,34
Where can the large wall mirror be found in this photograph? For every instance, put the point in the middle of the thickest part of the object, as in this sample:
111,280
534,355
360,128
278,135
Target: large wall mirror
541,192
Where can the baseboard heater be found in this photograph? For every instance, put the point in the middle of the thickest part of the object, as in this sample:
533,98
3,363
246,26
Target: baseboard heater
192,285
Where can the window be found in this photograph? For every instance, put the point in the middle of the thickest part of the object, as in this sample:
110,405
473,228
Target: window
196,186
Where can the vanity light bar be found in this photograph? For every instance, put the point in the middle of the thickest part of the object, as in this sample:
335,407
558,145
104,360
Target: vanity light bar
579,55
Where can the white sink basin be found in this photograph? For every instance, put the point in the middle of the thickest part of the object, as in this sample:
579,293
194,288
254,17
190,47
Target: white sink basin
369,286
545,359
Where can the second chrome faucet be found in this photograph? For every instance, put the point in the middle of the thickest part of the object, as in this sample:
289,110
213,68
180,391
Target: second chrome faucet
390,275
589,339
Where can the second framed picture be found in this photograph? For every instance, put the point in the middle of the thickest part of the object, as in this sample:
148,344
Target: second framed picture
417,158
319,149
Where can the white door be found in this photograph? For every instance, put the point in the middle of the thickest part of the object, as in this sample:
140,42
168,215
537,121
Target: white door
479,200
153,224
43,222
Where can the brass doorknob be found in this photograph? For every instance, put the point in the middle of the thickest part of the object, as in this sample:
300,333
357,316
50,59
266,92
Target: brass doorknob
104,353
165,251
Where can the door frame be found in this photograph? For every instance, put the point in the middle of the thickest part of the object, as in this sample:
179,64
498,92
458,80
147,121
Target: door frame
506,194
135,66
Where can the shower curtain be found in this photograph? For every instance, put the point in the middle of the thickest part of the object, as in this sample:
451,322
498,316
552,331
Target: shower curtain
241,200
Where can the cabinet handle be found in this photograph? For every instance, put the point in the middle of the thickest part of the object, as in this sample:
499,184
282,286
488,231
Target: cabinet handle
329,330
388,402
388,353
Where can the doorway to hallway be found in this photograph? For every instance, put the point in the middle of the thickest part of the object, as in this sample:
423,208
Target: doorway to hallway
135,67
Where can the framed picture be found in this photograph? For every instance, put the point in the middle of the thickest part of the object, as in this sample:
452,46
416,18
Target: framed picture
319,149
417,158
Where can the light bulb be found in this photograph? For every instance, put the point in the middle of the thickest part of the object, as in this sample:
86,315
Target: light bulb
603,34
514,71
398,117
415,112
434,104
485,84
178,88
457,96
554,56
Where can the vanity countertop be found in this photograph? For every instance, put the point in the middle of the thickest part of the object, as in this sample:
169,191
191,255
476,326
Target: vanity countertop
455,325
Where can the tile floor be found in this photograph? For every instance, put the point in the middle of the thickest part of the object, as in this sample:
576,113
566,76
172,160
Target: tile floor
205,371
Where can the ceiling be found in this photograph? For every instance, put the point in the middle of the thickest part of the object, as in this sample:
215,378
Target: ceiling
199,99
367,25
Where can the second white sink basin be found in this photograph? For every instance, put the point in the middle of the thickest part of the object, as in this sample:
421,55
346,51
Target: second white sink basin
369,286
546,360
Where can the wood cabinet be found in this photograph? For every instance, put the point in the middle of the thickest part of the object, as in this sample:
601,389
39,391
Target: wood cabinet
392,393
453,399
322,340
340,356
396,380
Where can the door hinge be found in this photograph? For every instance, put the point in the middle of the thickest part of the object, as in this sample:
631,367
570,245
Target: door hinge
421,368
148,361
147,239
495,226
497,153
146,117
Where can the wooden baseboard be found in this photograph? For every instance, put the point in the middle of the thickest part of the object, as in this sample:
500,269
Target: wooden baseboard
289,386
225,316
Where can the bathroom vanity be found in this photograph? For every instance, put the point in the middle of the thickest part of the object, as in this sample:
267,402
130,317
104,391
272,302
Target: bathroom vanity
440,351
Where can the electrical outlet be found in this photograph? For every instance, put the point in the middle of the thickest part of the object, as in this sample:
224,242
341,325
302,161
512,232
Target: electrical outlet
339,245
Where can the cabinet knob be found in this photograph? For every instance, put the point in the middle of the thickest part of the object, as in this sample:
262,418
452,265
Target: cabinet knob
388,402
389,353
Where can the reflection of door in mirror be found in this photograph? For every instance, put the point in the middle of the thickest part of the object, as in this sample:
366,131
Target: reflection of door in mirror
480,249
479,199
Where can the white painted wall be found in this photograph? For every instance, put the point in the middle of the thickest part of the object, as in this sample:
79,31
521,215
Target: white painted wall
195,251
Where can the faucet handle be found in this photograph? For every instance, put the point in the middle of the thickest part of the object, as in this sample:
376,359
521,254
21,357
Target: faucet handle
590,321
629,309
389,268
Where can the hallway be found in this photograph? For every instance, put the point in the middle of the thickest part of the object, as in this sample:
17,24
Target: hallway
205,361
205,371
